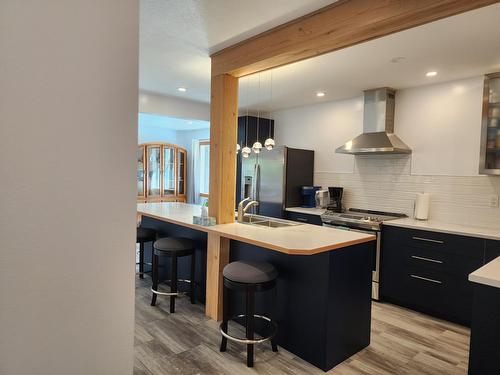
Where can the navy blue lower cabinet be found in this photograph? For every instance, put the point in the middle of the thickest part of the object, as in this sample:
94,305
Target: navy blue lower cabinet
428,271
304,218
322,302
492,250
485,331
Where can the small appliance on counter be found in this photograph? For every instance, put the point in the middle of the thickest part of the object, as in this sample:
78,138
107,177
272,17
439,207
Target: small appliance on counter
322,198
309,196
336,194
422,203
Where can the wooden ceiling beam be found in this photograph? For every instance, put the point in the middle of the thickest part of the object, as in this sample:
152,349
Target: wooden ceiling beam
339,25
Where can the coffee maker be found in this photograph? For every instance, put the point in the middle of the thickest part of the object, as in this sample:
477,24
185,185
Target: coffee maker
335,198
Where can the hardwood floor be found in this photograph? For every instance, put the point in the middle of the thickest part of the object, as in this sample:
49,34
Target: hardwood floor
403,342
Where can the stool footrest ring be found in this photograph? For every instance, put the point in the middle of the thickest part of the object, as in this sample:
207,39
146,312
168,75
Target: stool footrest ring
172,294
249,341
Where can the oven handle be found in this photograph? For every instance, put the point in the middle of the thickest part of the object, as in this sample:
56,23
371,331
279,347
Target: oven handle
344,227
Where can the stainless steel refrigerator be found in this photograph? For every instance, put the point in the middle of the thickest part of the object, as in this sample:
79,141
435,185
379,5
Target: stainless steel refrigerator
274,179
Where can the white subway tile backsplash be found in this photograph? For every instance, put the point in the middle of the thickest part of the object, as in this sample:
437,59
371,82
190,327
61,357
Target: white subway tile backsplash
385,182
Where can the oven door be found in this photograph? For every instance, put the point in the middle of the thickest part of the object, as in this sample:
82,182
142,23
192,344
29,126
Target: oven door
376,255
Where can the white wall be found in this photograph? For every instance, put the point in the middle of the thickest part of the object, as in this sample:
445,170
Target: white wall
173,106
441,123
68,135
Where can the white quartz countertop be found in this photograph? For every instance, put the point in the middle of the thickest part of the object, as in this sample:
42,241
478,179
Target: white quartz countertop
307,210
489,274
302,239
437,226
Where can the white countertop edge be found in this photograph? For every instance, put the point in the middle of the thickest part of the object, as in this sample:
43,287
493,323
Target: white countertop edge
307,210
489,274
434,226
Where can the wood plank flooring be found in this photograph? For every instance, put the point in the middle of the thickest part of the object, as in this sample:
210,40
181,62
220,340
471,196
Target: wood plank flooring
187,343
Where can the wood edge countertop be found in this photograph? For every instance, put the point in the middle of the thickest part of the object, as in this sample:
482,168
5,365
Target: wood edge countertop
489,274
302,239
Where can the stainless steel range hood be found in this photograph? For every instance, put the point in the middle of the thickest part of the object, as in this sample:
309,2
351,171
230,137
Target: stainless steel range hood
378,127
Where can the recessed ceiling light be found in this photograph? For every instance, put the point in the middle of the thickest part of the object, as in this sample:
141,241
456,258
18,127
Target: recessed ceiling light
181,89
320,94
431,74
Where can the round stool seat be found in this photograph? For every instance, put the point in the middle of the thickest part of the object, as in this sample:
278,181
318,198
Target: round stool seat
145,235
174,245
250,272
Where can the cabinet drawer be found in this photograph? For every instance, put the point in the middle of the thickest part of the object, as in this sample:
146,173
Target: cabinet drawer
304,218
431,292
420,239
443,260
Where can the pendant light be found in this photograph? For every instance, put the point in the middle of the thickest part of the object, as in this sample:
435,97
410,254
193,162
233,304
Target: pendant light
269,143
245,151
257,146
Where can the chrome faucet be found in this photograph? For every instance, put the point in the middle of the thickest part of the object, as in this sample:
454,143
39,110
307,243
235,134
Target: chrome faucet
242,208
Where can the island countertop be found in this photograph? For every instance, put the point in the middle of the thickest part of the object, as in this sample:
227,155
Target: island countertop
302,239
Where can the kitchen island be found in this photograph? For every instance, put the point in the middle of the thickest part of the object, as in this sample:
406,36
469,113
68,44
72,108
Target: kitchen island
322,302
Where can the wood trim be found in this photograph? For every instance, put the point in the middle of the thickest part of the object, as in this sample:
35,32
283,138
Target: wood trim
339,25
204,195
223,130
217,259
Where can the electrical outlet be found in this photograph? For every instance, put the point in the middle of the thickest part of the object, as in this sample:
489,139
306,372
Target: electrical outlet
493,201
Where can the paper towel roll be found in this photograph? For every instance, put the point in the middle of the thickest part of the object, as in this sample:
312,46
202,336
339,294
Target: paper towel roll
422,206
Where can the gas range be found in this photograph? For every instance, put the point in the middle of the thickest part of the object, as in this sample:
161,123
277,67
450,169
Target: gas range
358,218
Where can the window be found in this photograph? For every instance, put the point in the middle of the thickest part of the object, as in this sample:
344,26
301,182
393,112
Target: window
204,171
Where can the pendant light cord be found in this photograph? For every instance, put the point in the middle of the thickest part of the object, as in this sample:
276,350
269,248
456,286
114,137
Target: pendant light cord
246,125
271,104
258,111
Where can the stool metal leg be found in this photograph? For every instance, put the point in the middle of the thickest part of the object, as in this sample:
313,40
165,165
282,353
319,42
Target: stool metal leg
173,283
192,278
250,311
225,317
141,260
155,277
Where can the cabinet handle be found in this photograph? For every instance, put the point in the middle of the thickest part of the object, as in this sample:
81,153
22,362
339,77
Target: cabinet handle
427,259
427,240
303,219
426,279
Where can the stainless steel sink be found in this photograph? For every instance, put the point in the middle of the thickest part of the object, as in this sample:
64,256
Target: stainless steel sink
268,222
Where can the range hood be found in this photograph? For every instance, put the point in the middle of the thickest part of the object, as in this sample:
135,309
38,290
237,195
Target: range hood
378,127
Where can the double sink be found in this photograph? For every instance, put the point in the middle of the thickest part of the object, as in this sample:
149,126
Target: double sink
265,221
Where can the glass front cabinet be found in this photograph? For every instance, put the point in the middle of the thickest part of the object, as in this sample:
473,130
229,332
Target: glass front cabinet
489,161
161,173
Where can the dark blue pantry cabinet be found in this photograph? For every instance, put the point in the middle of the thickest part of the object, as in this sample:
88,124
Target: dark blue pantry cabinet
428,271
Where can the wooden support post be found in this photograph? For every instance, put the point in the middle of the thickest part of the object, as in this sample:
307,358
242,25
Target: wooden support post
223,131
217,258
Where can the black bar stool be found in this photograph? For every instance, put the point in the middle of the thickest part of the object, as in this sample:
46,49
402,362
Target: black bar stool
144,235
248,277
173,248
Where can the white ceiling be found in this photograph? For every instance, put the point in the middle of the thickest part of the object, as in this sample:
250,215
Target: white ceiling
458,47
171,123
177,37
